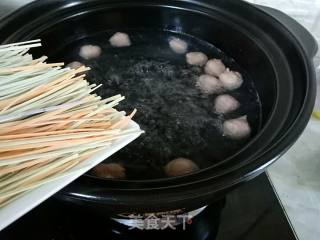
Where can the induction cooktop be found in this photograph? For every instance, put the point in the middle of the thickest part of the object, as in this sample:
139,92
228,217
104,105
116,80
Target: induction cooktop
250,212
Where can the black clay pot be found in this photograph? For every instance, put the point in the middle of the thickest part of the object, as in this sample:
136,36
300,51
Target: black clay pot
273,48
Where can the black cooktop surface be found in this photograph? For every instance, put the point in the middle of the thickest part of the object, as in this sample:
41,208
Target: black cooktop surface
250,212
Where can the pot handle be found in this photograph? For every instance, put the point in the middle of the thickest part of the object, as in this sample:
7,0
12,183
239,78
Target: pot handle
304,36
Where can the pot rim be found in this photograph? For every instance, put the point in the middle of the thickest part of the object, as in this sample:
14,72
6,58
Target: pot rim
265,156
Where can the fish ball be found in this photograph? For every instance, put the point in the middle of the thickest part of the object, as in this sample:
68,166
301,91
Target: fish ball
180,166
120,39
209,84
225,103
231,80
90,51
237,128
214,67
178,46
74,65
109,170
196,58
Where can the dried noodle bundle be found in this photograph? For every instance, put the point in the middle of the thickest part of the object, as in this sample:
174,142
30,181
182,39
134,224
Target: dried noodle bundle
50,120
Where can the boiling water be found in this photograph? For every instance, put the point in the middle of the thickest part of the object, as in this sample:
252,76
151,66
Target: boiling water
179,121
